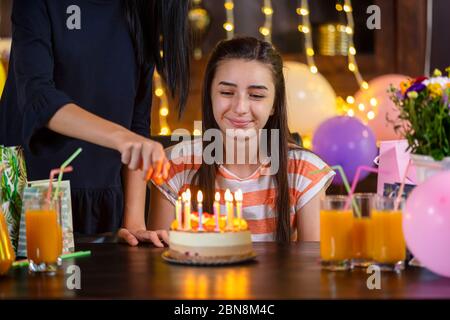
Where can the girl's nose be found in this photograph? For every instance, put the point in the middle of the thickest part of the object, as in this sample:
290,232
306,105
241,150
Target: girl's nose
241,105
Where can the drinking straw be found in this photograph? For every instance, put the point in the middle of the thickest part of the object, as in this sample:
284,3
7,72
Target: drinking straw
63,166
346,184
77,254
402,187
53,172
356,180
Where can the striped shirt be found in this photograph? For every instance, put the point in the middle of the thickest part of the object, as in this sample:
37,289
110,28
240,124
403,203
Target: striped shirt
259,189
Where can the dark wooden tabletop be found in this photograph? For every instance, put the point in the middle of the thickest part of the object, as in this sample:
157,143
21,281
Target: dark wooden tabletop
280,272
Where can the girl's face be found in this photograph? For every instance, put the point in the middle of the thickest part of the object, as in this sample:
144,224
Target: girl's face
242,94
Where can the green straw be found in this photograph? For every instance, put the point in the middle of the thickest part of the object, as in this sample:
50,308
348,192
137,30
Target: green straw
346,184
78,254
63,166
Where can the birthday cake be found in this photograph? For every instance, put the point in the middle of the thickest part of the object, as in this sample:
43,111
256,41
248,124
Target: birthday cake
210,244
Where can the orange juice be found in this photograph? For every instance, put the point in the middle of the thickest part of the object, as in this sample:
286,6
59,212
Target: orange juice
44,241
388,240
336,234
7,255
362,238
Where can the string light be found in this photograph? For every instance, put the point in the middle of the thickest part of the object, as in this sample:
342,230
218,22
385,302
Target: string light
229,24
266,29
353,65
305,28
163,104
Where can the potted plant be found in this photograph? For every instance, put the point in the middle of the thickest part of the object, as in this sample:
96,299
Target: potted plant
424,121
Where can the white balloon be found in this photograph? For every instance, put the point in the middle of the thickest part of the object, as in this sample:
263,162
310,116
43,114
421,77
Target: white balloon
310,98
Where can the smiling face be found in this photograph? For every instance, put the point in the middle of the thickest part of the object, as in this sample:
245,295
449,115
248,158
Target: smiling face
242,94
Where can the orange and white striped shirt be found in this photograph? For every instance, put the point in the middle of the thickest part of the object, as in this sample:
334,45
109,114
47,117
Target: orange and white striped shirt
259,189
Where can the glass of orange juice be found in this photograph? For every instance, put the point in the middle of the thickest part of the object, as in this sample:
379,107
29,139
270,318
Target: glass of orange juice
336,223
362,235
389,248
44,233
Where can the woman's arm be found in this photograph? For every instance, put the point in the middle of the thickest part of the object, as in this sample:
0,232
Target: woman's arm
161,212
308,219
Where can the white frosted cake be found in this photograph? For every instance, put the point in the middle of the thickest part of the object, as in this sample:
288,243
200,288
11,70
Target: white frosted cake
210,245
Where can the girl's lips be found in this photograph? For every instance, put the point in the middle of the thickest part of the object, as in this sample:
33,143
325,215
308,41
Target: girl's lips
238,123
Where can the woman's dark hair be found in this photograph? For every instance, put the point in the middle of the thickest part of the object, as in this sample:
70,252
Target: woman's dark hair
162,26
251,49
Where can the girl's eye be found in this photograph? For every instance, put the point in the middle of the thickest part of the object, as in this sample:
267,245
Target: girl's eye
226,93
257,96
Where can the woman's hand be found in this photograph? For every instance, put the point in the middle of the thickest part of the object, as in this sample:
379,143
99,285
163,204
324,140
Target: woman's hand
139,153
133,237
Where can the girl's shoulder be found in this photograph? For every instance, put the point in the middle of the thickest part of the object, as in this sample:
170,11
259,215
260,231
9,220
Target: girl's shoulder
301,160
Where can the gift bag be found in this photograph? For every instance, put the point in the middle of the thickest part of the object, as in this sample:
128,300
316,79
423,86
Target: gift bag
392,163
13,181
41,186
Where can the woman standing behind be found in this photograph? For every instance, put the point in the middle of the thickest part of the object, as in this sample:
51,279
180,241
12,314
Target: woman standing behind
80,75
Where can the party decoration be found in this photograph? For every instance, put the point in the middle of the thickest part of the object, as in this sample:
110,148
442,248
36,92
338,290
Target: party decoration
345,141
200,22
266,29
382,106
310,98
426,223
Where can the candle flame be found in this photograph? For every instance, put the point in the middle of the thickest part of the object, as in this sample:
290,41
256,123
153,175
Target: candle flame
183,196
238,195
188,195
199,196
217,196
228,195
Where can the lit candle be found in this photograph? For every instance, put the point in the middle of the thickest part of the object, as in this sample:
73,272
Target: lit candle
187,210
238,198
217,211
178,213
200,209
229,206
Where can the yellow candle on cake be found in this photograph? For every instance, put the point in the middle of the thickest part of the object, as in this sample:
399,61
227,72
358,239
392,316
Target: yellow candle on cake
187,210
229,206
216,207
238,198
178,206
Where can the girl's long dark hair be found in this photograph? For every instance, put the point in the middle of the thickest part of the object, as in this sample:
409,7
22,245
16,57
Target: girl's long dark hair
162,26
251,49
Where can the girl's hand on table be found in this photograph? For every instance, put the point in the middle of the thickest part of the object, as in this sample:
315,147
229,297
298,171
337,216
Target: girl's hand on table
133,237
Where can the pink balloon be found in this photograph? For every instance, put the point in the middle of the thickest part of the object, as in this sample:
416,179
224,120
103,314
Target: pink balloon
426,223
378,89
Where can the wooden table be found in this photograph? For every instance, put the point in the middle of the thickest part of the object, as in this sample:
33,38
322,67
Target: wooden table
117,271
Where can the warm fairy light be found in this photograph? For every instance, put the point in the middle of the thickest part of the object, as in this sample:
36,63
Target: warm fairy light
267,11
159,92
361,107
373,102
228,195
313,69
264,31
347,8
351,66
339,7
365,85
349,30
228,26
199,196
303,28
350,113
350,100
310,52
352,50
217,196
370,115
164,112
164,131
302,11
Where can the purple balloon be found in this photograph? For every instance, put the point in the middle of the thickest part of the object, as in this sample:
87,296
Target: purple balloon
426,223
345,141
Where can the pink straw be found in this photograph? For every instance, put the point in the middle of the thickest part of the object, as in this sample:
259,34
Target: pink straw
402,187
52,177
356,181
